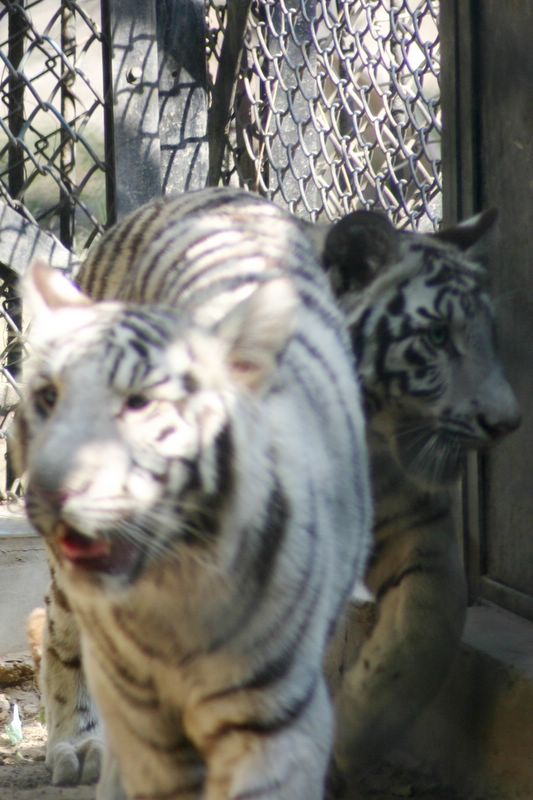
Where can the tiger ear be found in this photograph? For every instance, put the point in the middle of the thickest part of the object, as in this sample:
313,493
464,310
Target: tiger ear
46,289
357,249
472,236
256,331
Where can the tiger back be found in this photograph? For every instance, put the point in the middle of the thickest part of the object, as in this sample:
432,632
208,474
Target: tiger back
197,465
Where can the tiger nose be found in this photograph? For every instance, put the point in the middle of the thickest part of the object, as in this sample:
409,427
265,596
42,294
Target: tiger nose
498,426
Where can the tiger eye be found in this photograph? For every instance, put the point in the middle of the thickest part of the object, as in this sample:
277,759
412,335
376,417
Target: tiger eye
136,402
45,399
438,335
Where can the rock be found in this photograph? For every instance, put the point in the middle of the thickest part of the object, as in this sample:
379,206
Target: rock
14,670
33,754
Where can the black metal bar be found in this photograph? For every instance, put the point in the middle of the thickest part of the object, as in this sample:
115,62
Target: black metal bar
17,27
17,30
225,83
67,156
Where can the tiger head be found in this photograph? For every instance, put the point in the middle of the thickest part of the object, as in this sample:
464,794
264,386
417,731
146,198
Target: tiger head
422,328
130,419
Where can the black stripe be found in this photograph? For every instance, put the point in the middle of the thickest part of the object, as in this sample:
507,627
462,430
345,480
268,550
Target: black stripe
177,218
259,571
121,683
358,335
396,305
91,269
412,356
87,726
177,264
397,579
104,640
140,236
219,197
59,596
144,326
69,663
272,634
115,366
327,316
109,249
60,699
355,443
272,535
139,347
224,456
275,670
266,726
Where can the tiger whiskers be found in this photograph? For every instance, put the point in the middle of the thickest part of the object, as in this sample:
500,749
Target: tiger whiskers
429,452
166,546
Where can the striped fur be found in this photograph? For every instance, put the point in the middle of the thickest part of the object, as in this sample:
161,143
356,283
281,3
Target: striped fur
197,464
422,327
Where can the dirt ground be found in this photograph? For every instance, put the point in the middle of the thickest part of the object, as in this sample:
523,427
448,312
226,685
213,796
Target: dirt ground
24,776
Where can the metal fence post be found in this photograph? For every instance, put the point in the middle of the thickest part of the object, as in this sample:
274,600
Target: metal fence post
151,152
181,33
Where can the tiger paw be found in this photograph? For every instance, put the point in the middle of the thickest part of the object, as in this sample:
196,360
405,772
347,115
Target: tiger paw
75,763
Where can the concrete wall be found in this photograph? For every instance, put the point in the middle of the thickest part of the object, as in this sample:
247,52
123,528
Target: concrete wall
478,734
23,579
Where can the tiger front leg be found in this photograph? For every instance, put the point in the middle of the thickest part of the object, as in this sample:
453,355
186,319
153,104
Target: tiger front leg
410,650
285,761
110,784
74,745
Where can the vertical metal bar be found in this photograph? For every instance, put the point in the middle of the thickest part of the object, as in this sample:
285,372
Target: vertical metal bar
182,85
15,99
16,33
225,84
449,82
132,101
67,157
397,81
460,198
107,87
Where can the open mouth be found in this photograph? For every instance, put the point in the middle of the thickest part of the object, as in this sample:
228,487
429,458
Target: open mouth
76,546
92,554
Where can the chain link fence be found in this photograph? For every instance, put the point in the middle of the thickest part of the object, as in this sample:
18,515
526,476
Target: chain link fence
52,165
335,107
322,105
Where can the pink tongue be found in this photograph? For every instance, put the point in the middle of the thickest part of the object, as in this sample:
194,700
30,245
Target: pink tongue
76,547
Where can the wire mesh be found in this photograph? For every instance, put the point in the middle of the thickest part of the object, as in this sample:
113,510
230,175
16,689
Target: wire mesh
51,116
52,166
322,105
336,106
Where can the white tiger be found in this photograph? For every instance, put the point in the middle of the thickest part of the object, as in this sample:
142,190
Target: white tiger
421,321
196,463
